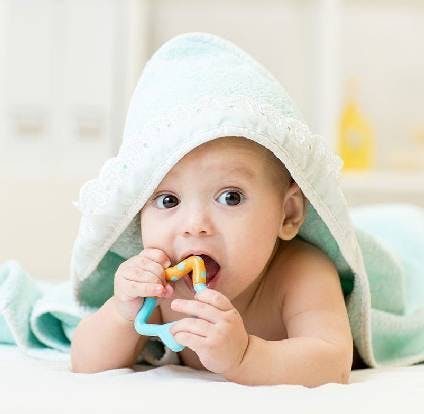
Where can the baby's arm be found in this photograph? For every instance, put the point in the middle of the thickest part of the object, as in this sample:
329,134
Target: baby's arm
105,340
319,348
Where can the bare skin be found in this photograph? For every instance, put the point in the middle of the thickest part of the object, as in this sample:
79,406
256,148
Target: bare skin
263,315
276,314
255,313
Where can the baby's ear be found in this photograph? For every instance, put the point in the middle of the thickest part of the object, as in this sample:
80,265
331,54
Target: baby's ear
294,212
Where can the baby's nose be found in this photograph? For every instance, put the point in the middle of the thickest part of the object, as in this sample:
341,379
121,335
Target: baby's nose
197,222
196,228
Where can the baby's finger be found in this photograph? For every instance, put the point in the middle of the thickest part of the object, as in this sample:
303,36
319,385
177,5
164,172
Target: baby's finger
139,275
192,341
198,309
137,289
169,291
192,325
214,298
157,256
147,265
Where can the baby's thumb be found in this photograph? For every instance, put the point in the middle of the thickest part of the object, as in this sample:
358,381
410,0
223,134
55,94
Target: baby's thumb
169,291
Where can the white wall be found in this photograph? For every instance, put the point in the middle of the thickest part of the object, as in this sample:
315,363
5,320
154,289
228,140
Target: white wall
38,224
67,70
383,45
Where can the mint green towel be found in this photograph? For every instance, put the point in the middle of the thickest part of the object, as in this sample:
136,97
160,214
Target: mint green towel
392,242
38,317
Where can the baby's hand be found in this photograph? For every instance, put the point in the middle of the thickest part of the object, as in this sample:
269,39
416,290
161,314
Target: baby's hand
214,330
140,276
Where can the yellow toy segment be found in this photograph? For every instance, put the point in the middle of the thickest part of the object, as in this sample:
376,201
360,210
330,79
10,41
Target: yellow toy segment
192,263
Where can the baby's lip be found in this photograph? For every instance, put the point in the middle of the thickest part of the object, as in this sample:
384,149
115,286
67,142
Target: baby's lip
195,253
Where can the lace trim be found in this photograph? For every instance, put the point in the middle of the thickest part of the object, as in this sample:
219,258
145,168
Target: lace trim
134,148
97,194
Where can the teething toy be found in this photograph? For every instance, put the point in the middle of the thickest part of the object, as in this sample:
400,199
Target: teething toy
192,263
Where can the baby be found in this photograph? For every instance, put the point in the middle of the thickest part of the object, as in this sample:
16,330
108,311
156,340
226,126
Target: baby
274,311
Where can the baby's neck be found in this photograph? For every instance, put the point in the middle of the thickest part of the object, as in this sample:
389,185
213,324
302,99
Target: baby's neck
243,301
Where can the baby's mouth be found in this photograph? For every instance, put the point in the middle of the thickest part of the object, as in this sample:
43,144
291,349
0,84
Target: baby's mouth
212,269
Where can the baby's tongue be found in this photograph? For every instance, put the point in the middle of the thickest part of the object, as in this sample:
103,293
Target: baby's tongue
212,267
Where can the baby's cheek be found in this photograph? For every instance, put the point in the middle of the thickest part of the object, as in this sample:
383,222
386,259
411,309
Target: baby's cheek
234,283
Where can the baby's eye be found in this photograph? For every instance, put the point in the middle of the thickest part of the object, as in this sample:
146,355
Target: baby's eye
232,197
169,201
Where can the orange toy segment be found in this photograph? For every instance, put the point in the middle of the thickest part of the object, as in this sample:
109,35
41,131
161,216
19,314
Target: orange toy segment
193,264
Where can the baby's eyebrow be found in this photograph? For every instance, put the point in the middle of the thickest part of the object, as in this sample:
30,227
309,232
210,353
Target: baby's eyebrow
226,174
243,171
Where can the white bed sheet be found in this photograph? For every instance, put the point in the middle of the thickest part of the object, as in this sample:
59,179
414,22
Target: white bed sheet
39,386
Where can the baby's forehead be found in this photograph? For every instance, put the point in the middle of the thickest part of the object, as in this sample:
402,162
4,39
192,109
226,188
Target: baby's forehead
236,154
250,149
244,148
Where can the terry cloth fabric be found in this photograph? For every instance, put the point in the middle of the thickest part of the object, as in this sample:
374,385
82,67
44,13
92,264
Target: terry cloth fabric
40,318
198,87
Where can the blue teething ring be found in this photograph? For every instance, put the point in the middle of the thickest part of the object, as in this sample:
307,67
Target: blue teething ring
193,263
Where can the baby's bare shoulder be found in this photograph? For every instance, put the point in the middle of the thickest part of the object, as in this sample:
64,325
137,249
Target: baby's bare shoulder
294,258
313,301
297,256
306,269
299,249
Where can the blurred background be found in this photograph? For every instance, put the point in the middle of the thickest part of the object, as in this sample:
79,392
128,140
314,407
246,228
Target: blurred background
355,68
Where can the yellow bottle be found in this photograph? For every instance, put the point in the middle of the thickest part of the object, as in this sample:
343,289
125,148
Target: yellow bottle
356,139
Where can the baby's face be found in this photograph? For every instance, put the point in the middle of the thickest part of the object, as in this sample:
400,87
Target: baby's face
223,199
